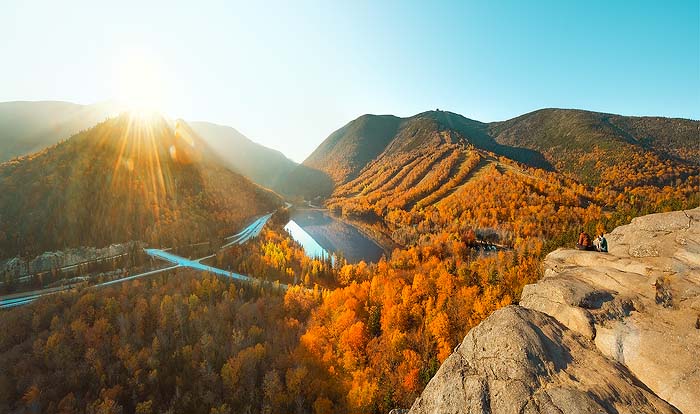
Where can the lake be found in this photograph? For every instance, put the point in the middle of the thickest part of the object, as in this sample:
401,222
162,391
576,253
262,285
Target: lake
320,233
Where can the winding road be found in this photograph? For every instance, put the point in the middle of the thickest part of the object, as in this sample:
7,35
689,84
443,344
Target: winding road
249,232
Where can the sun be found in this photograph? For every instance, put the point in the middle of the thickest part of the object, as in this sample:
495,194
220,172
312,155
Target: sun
139,85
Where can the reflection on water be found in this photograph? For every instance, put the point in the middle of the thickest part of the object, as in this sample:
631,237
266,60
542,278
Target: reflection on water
321,233
311,247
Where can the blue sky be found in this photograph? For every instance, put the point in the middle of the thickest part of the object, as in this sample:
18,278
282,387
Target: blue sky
287,74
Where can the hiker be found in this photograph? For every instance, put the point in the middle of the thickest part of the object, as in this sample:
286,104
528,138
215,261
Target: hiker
584,241
600,243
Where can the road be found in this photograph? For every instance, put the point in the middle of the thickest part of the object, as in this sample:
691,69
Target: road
249,232
67,267
18,299
253,230
10,301
179,261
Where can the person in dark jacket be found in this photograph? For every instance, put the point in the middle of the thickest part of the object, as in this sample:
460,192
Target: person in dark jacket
584,241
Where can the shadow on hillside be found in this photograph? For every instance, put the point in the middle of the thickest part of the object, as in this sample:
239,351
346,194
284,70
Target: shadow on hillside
477,133
308,183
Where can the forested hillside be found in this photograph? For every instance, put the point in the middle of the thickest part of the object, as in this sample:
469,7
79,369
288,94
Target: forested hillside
350,150
194,343
346,151
589,147
262,165
539,176
472,226
606,149
127,178
27,127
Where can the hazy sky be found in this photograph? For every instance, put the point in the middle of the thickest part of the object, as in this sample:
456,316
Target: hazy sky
287,74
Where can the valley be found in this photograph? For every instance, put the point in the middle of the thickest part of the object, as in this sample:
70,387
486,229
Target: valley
445,207
431,224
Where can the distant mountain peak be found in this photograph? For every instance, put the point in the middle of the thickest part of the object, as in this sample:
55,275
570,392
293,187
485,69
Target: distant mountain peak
127,178
558,139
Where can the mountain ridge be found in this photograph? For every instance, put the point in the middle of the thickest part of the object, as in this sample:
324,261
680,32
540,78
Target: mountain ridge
518,138
265,166
29,126
124,179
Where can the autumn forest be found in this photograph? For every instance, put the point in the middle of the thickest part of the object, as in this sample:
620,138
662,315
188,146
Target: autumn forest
465,211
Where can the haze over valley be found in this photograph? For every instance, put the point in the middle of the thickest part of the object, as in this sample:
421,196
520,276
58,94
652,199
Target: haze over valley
361,208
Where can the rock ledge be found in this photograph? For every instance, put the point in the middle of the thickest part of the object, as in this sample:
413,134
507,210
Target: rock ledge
600,333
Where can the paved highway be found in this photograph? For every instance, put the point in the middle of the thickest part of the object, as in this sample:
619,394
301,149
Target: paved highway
249,232
11,301
246,234
252,230
179,261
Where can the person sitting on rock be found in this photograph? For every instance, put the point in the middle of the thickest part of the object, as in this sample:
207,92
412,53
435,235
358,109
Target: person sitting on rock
584,241
600,243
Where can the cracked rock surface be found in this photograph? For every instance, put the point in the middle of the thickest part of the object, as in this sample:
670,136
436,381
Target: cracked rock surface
615,332
639,304
520,360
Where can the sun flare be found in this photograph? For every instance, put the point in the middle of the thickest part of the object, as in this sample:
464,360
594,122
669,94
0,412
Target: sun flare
139,83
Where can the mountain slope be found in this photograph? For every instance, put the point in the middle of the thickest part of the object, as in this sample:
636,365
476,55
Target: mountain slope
263,165
346,151
564,165
341,156
124,179
27,127
590,147
371,138
603,148
614,332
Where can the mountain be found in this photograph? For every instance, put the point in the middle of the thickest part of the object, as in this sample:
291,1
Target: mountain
341,156
308,183
263,165
27,127
594,146
349,150
589,147
126,178
435,167
614,332
346,151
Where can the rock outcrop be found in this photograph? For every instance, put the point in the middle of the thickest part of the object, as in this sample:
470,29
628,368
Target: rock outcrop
639,304
62,258
600,333
522,361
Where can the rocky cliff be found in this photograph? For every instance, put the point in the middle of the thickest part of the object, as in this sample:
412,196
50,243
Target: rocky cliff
47,261
615,332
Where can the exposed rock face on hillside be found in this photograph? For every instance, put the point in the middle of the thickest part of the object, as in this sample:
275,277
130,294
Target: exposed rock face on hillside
523,361
639,304
600,333
68,257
